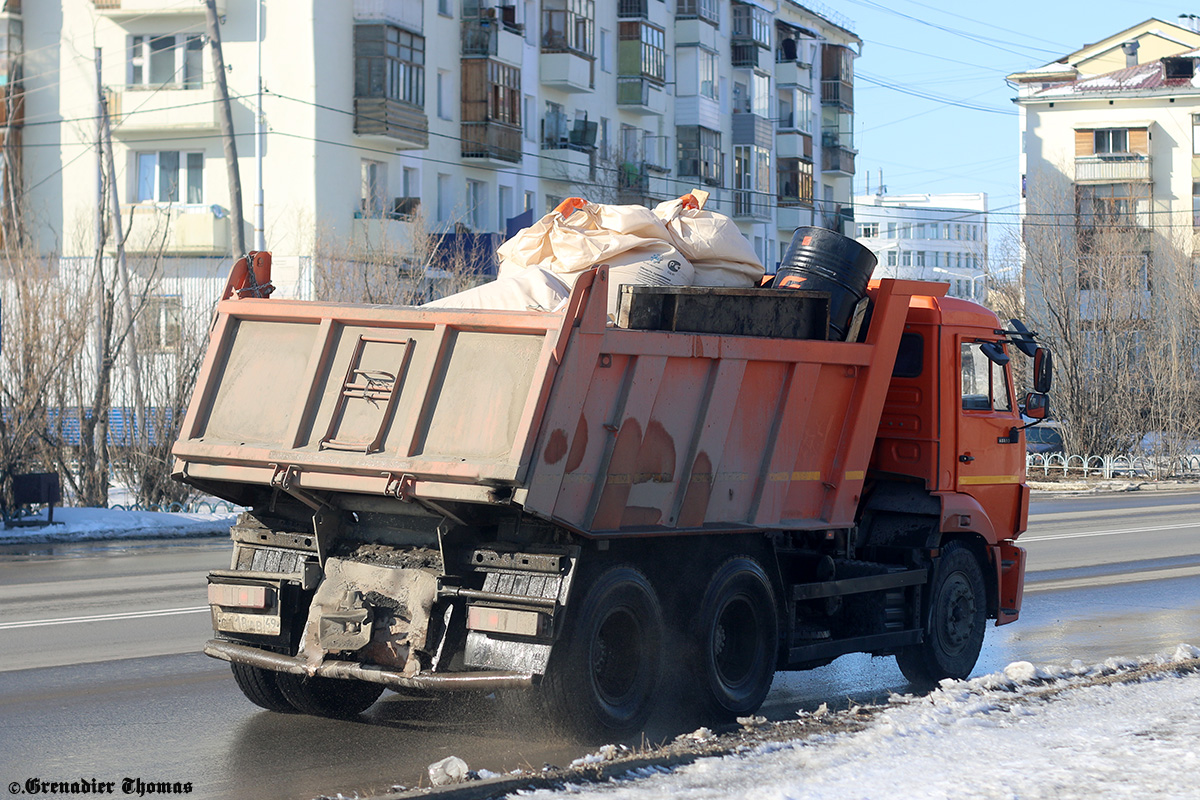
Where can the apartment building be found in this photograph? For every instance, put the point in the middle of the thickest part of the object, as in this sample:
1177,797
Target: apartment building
1110,166
466,117
928,237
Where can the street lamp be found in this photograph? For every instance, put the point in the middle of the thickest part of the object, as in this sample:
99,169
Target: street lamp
975,295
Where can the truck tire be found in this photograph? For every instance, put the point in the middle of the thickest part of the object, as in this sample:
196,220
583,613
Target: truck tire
954,627
328,697
604,673
736,640
260,687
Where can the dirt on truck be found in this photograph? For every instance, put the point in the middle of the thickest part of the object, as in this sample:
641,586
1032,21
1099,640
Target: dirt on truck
567,505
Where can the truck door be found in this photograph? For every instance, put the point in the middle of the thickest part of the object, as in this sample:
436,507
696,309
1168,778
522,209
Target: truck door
989,466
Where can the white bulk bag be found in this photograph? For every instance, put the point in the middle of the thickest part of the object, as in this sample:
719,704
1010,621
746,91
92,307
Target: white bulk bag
525,290
721,255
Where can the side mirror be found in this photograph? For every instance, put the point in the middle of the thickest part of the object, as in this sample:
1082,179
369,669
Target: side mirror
995,353
1024,339
1043,370
1037,406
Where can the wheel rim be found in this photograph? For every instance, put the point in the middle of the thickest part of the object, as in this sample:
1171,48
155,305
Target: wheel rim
956,614
735,638
617,656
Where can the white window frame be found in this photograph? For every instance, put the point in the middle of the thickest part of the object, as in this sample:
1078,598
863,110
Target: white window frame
153,159
185,75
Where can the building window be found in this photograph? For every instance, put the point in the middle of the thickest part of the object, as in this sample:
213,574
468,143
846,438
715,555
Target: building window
567,26
389,62
752,22
159,324
605,57
373,195
708,61
476,205
699,153
170,176
868,230
1113,204
1112,141
794,183
891,258
642,51
445,198
1196,204
170,60
707,10
443,94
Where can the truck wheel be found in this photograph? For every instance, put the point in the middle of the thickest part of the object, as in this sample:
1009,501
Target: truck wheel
604,672
736,640
955,625
328,697
260,687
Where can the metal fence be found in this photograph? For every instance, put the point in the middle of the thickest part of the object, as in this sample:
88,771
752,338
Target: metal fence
1149,467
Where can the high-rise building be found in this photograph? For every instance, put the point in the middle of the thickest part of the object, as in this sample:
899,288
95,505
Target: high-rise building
455,115
928,237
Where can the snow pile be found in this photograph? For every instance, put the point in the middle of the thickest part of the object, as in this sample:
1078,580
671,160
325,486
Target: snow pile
1027,732
78,524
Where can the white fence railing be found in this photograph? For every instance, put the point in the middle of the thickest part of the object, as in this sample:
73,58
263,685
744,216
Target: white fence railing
1109,466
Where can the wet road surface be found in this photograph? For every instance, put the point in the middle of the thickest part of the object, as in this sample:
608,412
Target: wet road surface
131,697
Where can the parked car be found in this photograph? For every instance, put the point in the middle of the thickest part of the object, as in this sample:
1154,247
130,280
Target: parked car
1046,437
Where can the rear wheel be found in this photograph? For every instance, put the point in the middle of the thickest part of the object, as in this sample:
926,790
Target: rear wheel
603,675
261,688
328,697
736,640
955,626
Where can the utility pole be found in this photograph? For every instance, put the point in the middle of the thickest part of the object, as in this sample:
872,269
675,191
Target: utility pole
260,242
226,119
98,266
130,343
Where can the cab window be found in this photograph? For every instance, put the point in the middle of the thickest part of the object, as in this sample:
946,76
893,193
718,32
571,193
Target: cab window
984,384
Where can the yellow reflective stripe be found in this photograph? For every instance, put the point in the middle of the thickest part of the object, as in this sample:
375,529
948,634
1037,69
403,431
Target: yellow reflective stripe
972,480
856,475
793,476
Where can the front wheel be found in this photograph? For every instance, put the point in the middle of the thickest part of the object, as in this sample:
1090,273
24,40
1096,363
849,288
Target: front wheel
955,624
328,697
603,675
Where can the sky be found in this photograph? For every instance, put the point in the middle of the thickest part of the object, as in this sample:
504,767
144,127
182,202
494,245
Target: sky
1025,733
932,109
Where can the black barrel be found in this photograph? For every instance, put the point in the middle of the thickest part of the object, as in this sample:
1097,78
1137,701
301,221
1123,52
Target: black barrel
821,260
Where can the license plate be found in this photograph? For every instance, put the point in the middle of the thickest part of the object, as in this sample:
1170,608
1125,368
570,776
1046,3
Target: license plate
237,622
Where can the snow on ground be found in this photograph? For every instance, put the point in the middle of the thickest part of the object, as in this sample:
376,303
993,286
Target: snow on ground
79,524
1023,734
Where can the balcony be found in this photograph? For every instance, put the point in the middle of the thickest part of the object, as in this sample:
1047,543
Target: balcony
391,119
748,204
791,217
11,93
567,72
837,160
793,144
1129,168
748,54
177,230
485,38
793,73
117,9
145,109
641,96
838,93
567,164
633,9
408,14
752,129
641,183
491,144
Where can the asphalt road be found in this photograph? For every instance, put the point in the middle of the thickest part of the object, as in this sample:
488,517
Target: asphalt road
100,678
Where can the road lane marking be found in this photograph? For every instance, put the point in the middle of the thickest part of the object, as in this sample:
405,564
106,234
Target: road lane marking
1083,534
162,612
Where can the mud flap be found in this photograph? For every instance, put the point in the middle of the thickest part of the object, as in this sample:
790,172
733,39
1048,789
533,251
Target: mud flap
382,612
1010,573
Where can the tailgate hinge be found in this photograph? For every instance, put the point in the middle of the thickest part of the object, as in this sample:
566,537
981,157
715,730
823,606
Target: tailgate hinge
400,486
325,518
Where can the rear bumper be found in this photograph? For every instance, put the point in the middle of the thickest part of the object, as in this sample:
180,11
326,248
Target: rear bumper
348,670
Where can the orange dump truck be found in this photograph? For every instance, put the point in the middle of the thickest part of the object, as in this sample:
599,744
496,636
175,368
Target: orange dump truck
707,491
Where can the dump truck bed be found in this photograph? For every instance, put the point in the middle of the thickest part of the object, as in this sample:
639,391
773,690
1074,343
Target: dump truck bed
603,430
